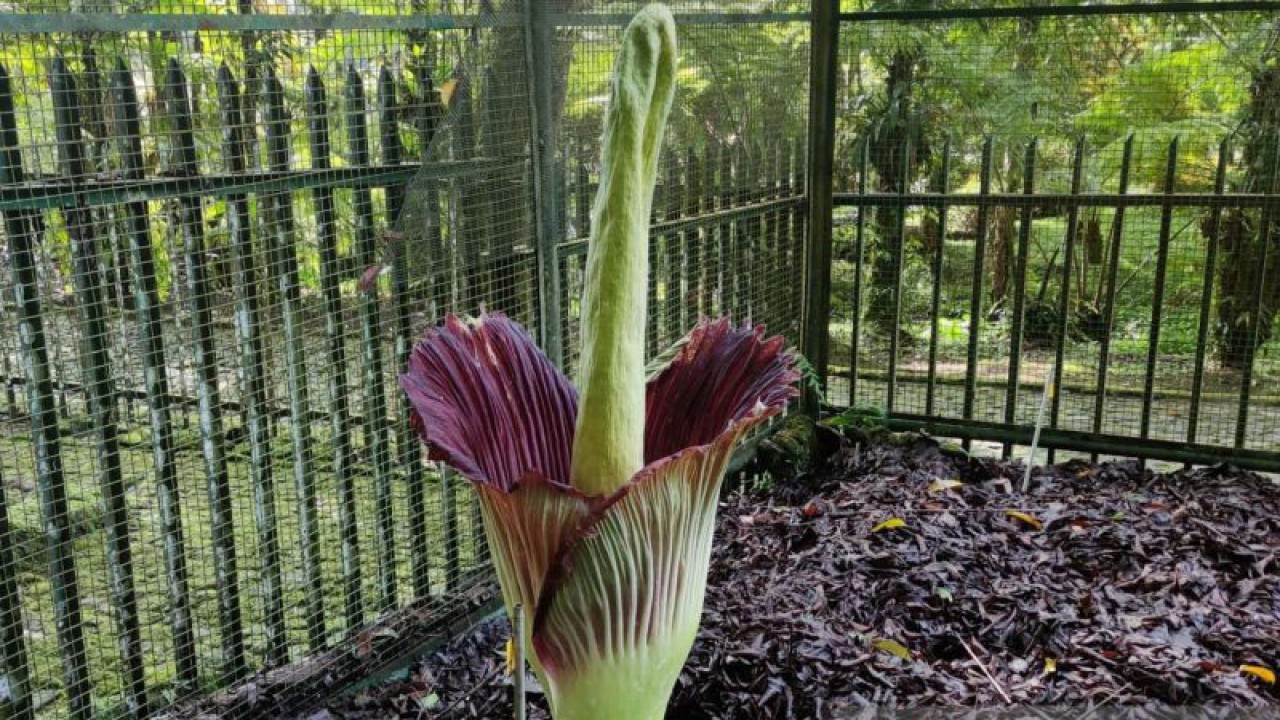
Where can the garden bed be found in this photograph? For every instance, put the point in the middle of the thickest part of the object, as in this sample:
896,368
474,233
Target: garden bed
906,575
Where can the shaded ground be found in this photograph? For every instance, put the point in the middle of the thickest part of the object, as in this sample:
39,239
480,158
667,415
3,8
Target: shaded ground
1117,587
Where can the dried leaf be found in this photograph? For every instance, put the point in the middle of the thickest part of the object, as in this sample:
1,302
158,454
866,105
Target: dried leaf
892,523
364,645
447,90
369,278
1030,520
942,485
893,647
1050,666
1265,674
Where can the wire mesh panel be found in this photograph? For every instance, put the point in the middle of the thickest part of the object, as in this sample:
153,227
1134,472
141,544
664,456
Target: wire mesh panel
1074,205
207,466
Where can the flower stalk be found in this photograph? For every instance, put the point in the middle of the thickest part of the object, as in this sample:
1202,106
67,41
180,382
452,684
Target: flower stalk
608,443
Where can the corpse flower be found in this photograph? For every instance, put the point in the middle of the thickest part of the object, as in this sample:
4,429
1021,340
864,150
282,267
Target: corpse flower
599,508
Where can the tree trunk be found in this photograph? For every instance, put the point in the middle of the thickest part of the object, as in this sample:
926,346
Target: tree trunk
1000,251
888,139
1249,267
506,131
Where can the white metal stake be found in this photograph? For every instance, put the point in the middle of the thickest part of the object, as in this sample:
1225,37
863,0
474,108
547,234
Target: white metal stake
1035,437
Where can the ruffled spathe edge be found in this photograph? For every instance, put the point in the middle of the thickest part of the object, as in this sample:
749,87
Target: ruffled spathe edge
488,402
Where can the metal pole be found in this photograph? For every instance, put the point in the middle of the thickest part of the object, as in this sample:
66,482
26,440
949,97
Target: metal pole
1049,386
538,39
824,33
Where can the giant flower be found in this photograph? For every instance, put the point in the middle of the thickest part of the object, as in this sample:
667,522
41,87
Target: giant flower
599,508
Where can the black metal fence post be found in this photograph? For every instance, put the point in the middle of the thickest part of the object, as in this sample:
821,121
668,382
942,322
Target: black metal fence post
1157,293
859,252
1019,292
95,363
971,368
936,269
539,36
19,227
247,279
409,456
1109,301
1064,297
283,262
1206,293
146,300
816,311
24,230
899,259
376,433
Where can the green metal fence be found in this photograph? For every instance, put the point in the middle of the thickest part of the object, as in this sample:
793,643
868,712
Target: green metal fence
1078,204
224,226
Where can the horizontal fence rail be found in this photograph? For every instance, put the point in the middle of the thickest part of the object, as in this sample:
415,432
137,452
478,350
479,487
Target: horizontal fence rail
1058,201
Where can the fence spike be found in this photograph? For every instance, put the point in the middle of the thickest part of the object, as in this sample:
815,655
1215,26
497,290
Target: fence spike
975,299
343,458
935,299
67,596
1064,297
409,457
199,295
19,231
377,438
1109,304
284,263
1157,294
146,302
1021,266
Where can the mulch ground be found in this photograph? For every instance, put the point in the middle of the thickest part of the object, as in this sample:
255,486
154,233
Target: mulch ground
1103,585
